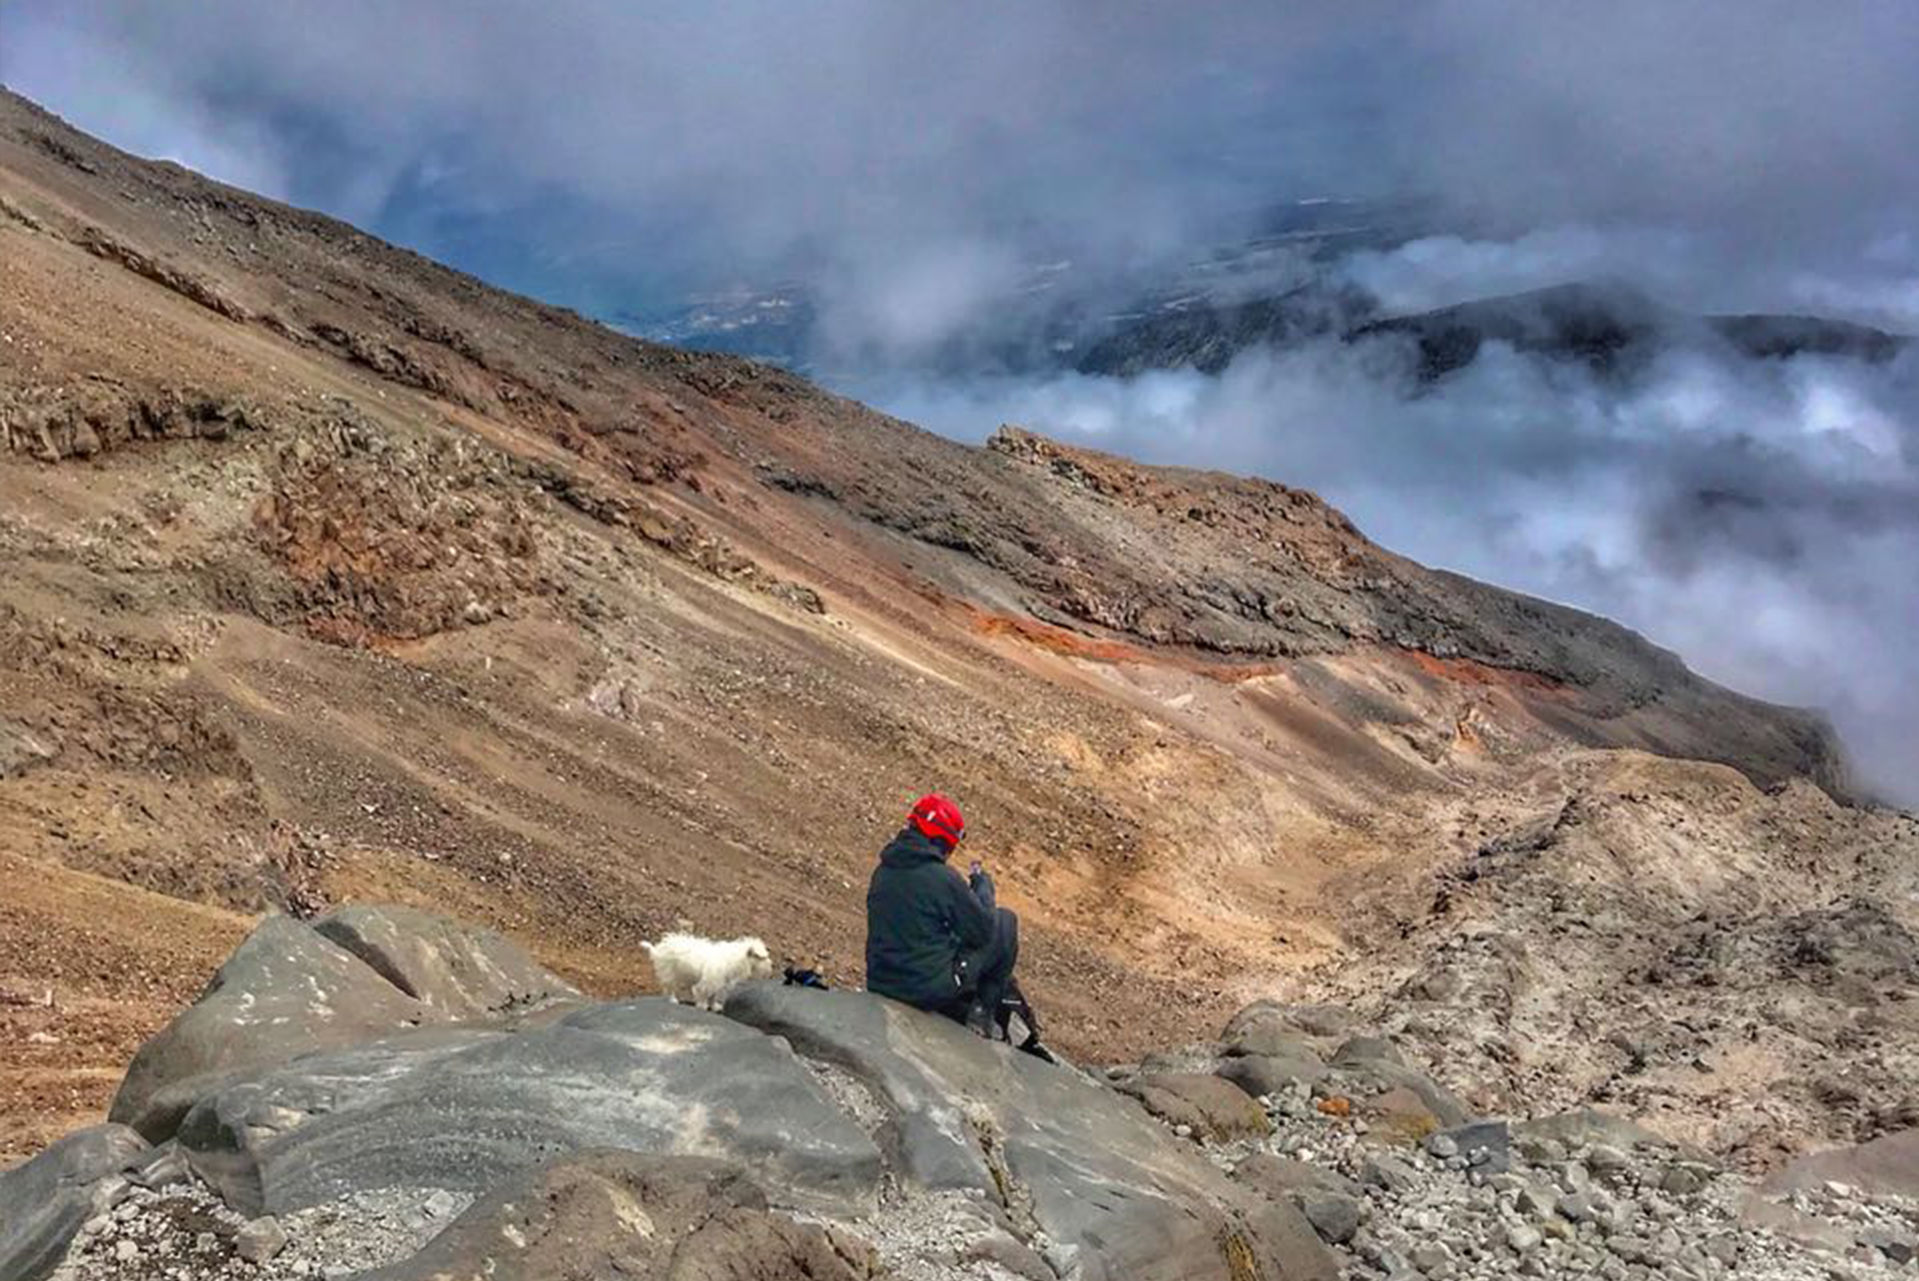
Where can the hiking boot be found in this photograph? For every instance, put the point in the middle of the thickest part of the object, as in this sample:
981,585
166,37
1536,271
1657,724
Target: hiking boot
1032,1046
980,1020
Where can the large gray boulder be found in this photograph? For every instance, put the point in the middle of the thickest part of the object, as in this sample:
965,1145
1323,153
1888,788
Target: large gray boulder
1115,1194
44,1202
639,1218
458,971
352,977
462,1109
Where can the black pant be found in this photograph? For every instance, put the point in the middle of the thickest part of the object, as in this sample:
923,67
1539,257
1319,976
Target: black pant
988,982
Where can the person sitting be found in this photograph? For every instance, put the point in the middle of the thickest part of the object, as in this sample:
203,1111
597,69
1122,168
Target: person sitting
937,941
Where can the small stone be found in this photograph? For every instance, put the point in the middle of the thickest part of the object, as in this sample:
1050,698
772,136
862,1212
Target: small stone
1681,1181
1540,1203
1586,1207
1524,1238
1389,1172
258,1240
1442,1146
1603,1158
125,1251
441,1204
1573,1177
1334,1216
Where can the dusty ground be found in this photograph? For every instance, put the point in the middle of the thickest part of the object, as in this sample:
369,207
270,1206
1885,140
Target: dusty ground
330,574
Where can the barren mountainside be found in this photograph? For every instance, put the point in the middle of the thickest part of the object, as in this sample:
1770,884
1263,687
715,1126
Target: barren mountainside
334,574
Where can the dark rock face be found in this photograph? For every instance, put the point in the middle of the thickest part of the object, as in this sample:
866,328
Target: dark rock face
44,1202
357,975
1075,1160
463,1109
643,1218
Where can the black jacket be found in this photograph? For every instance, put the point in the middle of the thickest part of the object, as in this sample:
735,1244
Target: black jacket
921,918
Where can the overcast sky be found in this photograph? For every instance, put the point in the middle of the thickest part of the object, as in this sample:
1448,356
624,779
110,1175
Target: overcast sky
913,160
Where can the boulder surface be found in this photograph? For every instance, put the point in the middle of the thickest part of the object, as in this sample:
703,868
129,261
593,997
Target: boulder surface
462,1109
356,975
44,1202
1113,1193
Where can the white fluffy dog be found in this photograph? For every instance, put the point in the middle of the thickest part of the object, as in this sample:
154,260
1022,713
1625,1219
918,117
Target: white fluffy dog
697,971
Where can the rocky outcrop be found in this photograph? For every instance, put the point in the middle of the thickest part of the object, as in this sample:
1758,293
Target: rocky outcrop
1068,1161
835,1136
292,989
389,1092
44,1202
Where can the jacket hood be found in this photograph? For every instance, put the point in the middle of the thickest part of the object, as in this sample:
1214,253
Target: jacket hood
911,849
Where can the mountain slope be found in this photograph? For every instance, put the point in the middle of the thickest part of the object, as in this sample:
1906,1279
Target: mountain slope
335,573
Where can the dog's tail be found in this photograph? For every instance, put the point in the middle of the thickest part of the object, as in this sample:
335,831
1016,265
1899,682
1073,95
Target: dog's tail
646,947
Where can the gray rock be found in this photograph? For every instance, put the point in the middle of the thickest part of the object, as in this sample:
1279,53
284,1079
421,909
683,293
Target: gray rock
45,1201
1573,1177
285,991
259,1240
1279,1178
462,1109
1333,1215
1271,1037
1383,1170
1319,1021
1486,1145
1273,1074
641,1218
1900,1247
1535,1201
1443,1146
1203,1105
161,1167
1604,1159
1524,1239
291,989
1682,1180
1076,1160
458,971
1587,1207
1368,1049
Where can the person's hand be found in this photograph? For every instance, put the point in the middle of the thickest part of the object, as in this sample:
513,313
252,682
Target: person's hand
976,868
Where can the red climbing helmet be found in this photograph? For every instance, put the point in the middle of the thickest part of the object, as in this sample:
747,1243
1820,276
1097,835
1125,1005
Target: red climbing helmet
939,818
